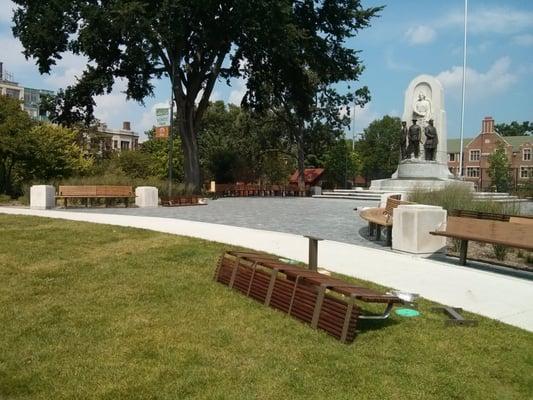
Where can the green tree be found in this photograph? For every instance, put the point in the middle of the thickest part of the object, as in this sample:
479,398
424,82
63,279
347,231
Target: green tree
379,148
342,164
515,128
157,162
188,41
55,154
499,169
15,144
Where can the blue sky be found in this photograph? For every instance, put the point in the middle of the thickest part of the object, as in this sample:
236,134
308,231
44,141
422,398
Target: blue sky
410,38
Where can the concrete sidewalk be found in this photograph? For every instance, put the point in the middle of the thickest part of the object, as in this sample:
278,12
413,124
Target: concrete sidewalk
496,296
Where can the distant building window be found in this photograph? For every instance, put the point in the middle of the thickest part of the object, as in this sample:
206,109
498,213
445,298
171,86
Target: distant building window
451,156
124,145
526,172
472,172
526,154
135,143
14,93
115,144
475,155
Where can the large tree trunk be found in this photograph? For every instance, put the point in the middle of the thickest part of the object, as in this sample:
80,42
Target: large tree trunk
189,146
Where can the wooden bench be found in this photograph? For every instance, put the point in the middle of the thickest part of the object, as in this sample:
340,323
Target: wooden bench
322,301
382,217
511,234
89,192
181,201
491,216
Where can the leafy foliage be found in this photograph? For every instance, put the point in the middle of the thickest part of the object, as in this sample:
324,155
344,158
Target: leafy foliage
515,128
342,164
499,169
278,45
379,147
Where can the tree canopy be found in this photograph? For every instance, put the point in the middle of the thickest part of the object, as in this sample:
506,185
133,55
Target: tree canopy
379,147
515,128
272,44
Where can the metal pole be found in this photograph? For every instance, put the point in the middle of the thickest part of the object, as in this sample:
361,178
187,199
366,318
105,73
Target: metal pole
463,94
313,252
353,126
171,130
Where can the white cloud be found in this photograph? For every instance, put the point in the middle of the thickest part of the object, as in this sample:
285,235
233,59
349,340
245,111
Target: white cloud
363,116
65,72
236,95
498,78
421,34
6,8
523,40
502,20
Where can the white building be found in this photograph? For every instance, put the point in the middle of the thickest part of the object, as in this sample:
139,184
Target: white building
120,139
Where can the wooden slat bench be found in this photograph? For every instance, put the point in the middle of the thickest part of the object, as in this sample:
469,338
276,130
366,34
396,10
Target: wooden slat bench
511,234
487,215
378,217
181,201
89,192
324,302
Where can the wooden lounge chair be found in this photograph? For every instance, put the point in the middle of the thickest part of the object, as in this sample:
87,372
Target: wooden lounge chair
324,302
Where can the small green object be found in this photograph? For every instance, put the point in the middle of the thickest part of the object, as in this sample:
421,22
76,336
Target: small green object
407,312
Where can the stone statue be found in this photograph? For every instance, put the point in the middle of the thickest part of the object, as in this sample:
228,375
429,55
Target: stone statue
422,108
403,141
414,139
432,140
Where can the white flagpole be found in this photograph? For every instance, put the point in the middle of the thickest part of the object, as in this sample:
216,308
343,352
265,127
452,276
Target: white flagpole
463,94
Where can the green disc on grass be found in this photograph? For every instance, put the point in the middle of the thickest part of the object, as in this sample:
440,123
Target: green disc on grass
407,312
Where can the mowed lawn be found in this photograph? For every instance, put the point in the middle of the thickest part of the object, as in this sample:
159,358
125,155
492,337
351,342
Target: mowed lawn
101,312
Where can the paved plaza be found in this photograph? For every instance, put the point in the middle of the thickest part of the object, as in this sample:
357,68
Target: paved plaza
326,218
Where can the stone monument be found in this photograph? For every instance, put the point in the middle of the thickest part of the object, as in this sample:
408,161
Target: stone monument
425,160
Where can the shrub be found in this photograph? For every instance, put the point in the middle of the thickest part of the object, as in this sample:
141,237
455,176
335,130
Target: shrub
500,251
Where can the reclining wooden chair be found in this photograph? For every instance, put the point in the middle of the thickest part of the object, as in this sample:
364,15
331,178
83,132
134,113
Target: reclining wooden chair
324,302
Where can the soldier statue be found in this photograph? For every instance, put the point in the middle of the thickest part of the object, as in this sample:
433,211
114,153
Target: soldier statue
432,140
414,134
403,141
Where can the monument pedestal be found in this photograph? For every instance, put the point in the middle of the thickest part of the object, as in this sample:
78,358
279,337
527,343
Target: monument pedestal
419,174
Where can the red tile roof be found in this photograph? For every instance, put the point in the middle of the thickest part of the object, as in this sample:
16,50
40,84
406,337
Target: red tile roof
311,175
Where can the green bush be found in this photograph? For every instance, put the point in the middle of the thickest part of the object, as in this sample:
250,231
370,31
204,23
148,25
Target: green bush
500,251
457,197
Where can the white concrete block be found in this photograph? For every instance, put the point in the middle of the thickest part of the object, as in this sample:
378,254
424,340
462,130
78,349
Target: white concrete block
42,197
411,226
146,197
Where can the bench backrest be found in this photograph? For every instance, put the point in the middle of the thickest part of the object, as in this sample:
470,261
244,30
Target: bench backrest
393,202
487,215
499,232
96,190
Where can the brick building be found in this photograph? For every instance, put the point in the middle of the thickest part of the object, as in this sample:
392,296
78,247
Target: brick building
476,152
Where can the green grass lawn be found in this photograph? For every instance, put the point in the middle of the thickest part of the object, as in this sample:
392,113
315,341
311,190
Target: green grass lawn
93,311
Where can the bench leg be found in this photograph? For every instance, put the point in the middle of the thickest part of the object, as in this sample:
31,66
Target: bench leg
126,202
389,235
463,249
371,229
378,232
65,202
